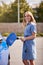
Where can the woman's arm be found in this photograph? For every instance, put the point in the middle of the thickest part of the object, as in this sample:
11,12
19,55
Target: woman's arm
29,37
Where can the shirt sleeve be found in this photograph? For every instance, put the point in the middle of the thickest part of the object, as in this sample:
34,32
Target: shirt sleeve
33,29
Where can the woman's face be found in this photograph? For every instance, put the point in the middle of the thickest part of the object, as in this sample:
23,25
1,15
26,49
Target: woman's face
27,17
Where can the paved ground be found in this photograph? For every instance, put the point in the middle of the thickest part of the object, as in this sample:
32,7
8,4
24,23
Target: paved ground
16,52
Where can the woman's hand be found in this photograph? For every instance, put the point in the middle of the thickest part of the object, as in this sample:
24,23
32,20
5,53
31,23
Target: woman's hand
22,39
29,37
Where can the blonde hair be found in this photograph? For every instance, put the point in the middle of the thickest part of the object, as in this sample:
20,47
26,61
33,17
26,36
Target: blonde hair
32,17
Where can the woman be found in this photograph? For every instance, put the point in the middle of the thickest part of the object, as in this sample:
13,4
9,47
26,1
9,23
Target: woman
29,44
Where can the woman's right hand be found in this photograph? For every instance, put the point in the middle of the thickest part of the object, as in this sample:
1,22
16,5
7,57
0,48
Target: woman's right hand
22,39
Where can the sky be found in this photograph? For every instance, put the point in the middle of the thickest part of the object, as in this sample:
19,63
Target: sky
34,1
28,1
7,1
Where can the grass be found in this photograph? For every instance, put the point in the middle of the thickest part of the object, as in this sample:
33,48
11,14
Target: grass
5,34
21,34
39,34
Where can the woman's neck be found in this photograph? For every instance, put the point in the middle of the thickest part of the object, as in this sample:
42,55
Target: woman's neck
28,23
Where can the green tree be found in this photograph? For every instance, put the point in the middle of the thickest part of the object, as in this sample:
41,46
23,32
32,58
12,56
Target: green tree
14,13
24,6
40,12
4,12
9,13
